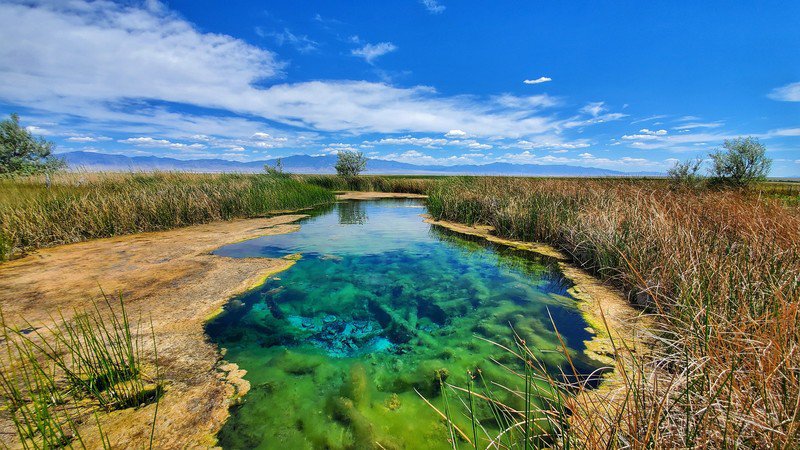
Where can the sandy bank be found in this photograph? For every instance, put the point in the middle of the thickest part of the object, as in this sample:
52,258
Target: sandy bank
171,277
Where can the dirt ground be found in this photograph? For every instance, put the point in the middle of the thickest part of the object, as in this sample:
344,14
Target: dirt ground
168,276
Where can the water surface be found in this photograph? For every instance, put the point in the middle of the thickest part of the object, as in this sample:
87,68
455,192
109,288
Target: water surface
380,305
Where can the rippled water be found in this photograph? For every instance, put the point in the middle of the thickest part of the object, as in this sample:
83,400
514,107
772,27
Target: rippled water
381,304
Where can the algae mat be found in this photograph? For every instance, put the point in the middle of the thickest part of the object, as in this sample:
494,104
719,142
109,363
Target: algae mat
381,306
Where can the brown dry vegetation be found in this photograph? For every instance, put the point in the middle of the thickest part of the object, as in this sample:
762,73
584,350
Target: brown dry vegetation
719,270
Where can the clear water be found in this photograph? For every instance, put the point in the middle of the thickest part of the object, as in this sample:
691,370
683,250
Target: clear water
379,305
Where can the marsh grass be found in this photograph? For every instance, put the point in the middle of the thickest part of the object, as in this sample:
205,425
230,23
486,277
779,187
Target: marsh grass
54,379
81,206
719,270
370,183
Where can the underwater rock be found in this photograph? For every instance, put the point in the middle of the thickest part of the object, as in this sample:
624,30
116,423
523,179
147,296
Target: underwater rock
393,402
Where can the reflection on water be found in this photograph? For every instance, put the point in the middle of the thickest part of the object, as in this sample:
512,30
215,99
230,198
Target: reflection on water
380,305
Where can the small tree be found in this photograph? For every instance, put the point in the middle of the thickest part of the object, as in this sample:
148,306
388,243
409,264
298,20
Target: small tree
686,173
350,164
22,153
743,162
277,169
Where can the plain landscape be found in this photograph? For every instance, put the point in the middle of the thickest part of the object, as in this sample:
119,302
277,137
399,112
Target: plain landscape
419,225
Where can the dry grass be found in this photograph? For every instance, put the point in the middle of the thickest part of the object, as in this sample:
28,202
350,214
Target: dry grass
720,270
81,206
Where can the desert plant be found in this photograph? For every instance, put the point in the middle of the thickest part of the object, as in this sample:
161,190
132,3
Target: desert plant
350,164
743,162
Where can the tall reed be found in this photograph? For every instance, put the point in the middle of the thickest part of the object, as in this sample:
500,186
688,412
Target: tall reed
377,183
80,206
720,271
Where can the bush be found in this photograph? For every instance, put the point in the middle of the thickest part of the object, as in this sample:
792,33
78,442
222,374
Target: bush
743,162
686,173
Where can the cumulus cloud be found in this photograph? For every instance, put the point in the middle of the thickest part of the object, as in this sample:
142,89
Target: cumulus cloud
455,134
788,93
538,80
370,52
433,6
645,134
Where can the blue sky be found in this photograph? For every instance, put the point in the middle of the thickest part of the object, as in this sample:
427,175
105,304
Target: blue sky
625,85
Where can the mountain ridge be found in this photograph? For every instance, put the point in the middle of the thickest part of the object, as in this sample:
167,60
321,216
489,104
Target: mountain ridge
92,161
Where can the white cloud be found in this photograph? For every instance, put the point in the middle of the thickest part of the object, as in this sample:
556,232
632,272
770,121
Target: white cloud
160,143
301,43
788,93
594,109
586,155
785,132
433,6
455,134
409,140
645,134
693,125
479,146
33,129
122,66
551,143
88,138
372,51
526,102
538,80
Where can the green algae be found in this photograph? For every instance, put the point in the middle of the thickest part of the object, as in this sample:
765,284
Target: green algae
380,308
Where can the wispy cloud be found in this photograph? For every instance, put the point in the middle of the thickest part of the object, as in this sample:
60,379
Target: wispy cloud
160,143
372,51
538,80
433,6
788,93
301,43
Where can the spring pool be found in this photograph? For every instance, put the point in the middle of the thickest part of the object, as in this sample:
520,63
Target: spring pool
379,309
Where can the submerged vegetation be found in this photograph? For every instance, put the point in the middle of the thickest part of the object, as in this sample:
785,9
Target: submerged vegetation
719,270
54,379
78,206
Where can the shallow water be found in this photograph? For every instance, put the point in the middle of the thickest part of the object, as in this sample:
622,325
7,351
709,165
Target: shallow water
379,305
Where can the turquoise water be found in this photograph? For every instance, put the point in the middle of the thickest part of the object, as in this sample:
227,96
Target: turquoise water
381,306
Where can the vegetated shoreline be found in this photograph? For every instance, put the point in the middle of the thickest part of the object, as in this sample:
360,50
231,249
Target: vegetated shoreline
719,270
172,277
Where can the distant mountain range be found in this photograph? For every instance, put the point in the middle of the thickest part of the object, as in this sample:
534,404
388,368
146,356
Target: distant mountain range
96,162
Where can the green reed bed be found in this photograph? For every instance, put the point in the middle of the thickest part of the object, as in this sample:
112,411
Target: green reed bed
54,379
376,183
719,270
76,207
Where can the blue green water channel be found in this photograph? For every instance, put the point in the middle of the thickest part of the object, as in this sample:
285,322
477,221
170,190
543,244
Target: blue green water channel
381,306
